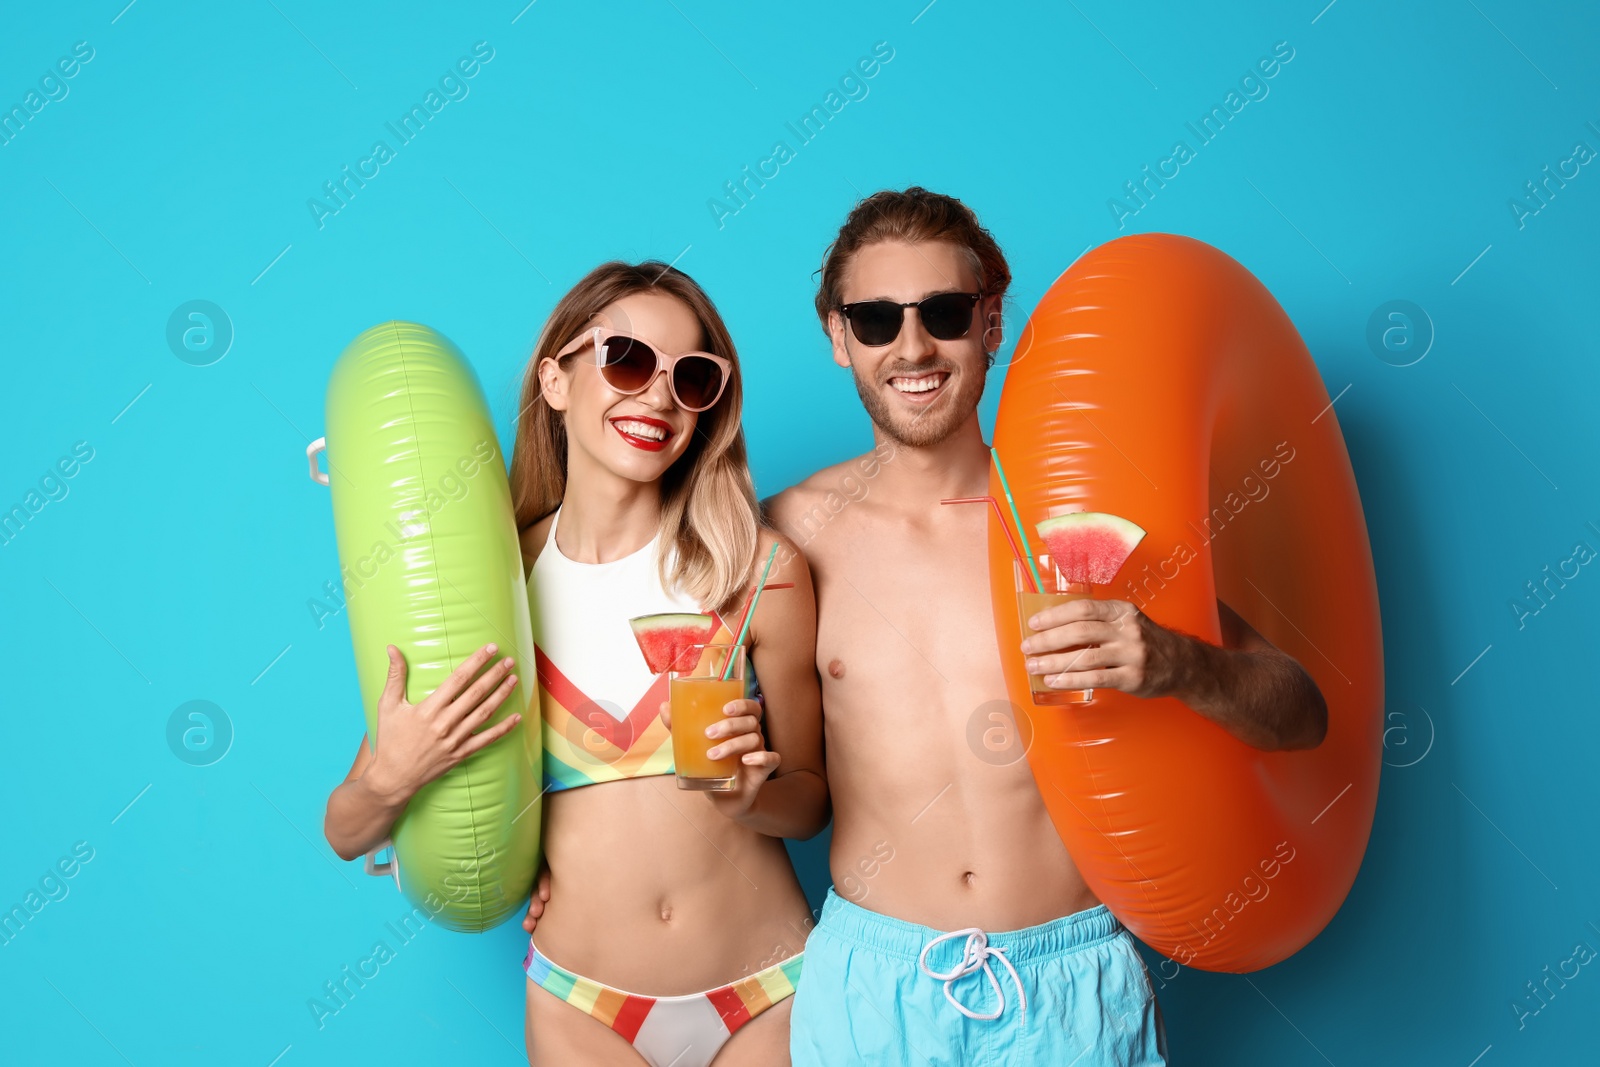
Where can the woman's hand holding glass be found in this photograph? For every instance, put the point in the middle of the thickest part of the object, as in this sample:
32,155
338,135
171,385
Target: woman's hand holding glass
738,734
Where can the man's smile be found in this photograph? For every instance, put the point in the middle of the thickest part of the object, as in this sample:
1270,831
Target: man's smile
921,388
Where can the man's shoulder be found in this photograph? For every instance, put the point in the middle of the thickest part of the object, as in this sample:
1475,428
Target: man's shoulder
805,492
846,479
801,510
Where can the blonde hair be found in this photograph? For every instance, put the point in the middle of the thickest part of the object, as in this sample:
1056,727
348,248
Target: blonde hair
709,514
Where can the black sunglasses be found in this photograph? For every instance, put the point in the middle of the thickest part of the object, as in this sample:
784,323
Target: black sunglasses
946,316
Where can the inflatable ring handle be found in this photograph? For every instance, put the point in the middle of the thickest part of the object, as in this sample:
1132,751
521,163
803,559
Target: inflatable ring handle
319,445
388,867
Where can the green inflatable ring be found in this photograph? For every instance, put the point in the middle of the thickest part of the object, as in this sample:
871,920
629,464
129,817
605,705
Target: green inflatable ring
431,563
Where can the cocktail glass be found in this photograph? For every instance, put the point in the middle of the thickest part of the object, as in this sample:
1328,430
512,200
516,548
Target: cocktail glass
1057,590
697,696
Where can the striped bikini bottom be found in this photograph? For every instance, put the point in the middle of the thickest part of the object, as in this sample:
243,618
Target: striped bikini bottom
683,1031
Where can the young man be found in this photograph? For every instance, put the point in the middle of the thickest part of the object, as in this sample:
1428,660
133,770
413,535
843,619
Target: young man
968,931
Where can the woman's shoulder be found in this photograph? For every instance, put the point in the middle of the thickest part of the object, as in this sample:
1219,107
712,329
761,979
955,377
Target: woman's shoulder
790,607
766,537
533,538
786,562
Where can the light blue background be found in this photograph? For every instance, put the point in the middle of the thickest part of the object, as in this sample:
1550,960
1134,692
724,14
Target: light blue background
178,567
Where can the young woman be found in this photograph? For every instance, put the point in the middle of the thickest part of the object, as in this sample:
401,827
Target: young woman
671,928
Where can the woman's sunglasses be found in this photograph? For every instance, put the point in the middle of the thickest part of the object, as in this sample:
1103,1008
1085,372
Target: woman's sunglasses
946,316
629,364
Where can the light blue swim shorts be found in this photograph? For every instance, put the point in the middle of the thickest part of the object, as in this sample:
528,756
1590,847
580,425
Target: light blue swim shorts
1072,992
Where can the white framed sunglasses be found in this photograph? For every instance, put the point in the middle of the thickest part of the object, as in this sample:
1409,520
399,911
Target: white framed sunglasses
629,363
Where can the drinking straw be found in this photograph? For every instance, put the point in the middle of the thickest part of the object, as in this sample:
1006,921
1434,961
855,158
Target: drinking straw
993,503
755,598
1006,487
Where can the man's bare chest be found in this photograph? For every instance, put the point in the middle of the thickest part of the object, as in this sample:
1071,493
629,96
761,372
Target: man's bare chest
918,608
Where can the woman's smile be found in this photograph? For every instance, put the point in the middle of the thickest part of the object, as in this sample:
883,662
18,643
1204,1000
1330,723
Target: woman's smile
642,432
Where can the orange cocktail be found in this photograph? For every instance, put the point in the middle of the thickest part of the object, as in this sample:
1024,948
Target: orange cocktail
697,698
1057,590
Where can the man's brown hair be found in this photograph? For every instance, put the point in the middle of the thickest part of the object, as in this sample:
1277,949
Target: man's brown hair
911,216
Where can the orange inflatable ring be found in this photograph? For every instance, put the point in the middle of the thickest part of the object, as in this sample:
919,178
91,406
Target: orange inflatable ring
1160,381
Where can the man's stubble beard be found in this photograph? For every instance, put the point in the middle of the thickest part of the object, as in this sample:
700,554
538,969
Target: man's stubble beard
930,426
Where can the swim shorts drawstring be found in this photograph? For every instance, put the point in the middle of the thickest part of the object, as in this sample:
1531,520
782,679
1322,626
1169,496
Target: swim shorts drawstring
974,957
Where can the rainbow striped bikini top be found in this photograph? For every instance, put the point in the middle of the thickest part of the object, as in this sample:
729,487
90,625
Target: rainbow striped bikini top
599,704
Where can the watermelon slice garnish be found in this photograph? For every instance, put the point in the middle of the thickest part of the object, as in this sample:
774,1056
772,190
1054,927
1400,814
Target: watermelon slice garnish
1090,546
668,639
